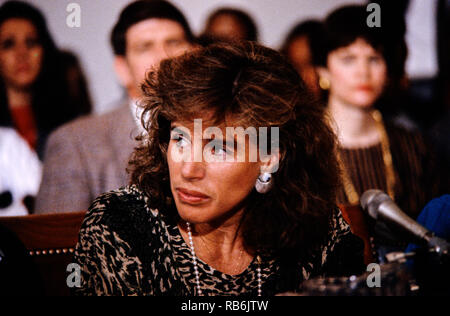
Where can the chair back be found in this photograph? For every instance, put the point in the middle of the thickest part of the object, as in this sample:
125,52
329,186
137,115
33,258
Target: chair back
50,240
354,216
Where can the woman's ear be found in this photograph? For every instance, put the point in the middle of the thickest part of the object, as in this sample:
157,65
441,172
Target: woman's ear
123,71
323,72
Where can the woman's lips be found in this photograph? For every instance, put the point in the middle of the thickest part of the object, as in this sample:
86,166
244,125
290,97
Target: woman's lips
191,197
364,88
23,68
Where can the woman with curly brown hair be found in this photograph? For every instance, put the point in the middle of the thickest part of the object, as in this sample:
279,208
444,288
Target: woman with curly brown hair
196,219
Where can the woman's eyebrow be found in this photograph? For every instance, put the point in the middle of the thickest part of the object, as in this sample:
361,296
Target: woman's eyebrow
179,130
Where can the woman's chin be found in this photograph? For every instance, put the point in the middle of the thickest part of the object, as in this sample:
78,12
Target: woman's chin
193,215
22,83
363,103
365,100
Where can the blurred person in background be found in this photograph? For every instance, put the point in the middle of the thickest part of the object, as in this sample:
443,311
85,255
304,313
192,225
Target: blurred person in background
440,132
413,102
35,98
299,47
230,24
89,156
374,153
403,99
33,86
76,88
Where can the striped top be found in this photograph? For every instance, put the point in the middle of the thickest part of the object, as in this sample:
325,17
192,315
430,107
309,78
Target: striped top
417,179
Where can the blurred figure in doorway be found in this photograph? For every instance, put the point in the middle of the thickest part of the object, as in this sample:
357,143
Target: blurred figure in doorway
299,47
230,24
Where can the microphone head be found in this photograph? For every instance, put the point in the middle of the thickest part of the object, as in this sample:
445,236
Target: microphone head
371,199
381,207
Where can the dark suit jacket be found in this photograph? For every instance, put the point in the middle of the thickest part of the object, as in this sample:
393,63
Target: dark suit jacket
85,158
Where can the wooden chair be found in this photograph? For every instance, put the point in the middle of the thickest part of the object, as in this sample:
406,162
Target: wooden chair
354,216
50,240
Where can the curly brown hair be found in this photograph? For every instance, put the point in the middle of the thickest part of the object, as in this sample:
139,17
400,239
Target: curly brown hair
256,86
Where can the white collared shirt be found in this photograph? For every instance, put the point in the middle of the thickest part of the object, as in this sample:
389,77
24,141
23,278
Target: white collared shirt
20,171
136,113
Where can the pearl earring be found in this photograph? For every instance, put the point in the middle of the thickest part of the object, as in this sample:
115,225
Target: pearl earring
324,83
264,183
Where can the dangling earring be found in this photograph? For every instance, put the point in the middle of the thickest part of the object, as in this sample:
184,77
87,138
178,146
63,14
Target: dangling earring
264,183
324,83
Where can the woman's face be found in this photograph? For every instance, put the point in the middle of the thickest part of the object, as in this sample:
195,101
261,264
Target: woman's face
357,74
299,53
206,190
20,53
227,26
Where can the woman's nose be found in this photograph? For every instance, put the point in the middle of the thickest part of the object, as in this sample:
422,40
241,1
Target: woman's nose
364,69
192,170
160,53
22,51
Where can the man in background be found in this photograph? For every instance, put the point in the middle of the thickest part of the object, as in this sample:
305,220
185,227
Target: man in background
89,156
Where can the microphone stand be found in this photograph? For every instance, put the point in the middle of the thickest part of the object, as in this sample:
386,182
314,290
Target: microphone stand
430,262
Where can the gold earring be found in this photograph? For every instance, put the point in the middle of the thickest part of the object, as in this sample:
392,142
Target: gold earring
324,83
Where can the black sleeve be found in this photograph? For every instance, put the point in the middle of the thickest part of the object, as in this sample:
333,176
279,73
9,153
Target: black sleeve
347,257
344,253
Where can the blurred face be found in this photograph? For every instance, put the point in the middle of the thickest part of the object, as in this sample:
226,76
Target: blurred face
20,53
299,54
206,191
226,26
357,74
147,44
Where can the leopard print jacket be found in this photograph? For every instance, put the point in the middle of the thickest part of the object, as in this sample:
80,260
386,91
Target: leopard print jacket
127,248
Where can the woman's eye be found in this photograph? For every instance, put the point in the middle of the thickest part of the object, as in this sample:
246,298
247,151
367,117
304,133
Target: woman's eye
219,151
180,140
6,44
32,42
174,42
347,59
375,59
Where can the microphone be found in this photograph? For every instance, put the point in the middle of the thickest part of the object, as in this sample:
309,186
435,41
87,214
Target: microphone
381,207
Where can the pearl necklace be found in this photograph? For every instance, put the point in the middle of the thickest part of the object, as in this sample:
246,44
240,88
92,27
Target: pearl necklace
194,261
